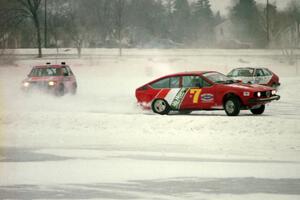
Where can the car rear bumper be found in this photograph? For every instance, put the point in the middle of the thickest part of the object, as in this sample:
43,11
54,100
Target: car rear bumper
264,100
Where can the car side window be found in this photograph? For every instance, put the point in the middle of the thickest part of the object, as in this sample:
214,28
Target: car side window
174,82
194,81
267,72
65,71
163,83
259,72
69,71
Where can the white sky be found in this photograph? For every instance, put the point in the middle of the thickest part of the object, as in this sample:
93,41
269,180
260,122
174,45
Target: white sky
222,5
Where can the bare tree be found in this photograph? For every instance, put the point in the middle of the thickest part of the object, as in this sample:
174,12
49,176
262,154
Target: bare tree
31,9
119,22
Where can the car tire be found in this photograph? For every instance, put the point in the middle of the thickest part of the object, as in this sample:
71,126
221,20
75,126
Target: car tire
232,106
160,106
60,91
258,111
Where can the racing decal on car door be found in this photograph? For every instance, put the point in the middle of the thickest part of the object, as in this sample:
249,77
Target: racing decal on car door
176,102
196,93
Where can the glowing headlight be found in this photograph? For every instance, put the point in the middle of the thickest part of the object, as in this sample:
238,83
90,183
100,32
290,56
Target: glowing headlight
51,83
273,92
259,94
26,84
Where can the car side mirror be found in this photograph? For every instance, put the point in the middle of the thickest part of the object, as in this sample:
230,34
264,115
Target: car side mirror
66,74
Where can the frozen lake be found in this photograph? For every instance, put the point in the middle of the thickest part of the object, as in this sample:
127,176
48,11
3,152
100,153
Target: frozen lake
100,145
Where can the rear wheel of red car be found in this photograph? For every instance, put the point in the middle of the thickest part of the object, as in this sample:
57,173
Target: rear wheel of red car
258,111
232,106
160,106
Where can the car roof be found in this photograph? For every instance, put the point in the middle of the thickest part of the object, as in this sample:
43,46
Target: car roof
249,68
49,66
182,74
188,73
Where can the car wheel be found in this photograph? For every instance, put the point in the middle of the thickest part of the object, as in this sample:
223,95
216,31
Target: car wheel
60,91
232,106
160,106
258,111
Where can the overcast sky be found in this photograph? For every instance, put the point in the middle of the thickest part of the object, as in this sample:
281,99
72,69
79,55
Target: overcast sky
223,5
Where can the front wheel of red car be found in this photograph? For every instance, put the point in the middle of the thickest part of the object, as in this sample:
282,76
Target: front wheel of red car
232,106
258,111
160,106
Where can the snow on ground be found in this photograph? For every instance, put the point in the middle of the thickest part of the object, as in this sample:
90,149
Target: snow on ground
100,145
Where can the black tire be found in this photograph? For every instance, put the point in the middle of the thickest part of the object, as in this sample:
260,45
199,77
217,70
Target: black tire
232,106
60,91
160,106
258,111
185,112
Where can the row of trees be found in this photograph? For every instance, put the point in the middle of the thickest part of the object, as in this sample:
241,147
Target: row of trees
137,23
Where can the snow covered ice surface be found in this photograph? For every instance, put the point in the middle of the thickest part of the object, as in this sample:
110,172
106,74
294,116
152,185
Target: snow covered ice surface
100,145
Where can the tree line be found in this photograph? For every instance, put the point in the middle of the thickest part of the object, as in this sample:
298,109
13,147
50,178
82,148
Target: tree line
142,24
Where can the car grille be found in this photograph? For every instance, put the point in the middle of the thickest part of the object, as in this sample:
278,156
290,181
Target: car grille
39,84
266,94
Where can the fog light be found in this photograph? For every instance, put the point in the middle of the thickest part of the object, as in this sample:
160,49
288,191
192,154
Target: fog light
26,84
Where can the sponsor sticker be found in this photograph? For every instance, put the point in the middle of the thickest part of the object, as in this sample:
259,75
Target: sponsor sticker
207,97
178,98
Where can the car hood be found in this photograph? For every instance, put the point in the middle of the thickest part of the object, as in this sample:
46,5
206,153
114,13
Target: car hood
248,87
37,79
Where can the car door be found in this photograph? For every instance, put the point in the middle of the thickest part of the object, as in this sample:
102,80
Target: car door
199,94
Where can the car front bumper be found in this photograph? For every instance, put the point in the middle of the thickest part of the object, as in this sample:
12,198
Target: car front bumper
264,100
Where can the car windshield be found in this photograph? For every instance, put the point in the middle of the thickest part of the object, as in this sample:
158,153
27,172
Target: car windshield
218,78
45,72
241,73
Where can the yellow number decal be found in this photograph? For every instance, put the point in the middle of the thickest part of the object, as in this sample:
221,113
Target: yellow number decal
196,93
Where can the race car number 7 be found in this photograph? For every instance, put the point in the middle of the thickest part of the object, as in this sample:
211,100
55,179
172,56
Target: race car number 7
196,93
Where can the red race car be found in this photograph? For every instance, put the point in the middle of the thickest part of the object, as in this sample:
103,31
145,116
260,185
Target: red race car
209,90
56,79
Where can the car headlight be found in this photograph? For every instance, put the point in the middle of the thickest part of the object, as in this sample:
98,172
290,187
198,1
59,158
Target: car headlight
51,83
26,84
273,92
246,94
258,94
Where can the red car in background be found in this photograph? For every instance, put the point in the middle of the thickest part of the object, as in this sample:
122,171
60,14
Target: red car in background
57,79
262,76
208,90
